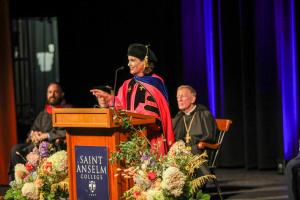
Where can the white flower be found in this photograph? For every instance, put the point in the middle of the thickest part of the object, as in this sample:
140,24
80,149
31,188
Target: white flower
141,180
145,164
178,148
173,181
59,161
20,172
30,191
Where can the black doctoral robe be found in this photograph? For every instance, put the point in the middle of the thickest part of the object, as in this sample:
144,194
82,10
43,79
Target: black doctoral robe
203,127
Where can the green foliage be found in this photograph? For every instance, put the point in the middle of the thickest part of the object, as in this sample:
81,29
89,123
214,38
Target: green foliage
13,194
58,194
46,187
202,196
196,162
130,151
123,119
200,182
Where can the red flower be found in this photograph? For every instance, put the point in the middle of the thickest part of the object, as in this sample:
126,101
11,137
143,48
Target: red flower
136,194
151,176
29,166
48,166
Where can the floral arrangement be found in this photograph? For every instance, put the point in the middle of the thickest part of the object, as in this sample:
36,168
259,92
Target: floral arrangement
44,176
159,177
156,177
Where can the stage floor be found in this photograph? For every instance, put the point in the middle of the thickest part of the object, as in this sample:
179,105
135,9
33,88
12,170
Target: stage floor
241,184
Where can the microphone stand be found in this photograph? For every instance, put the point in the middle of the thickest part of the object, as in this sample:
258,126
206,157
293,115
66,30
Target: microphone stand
115,84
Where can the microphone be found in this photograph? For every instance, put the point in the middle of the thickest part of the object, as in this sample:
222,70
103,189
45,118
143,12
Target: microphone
115,84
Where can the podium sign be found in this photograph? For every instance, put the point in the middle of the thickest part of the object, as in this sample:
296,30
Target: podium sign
91,172
92,135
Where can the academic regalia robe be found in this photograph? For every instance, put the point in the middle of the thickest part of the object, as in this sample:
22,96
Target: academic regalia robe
148,95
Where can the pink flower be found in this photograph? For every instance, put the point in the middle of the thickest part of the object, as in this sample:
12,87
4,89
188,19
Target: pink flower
33,158
38,183
151,176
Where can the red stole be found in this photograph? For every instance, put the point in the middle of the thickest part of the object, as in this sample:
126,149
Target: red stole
49,107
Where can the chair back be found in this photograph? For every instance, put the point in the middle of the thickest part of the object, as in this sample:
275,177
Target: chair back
223,126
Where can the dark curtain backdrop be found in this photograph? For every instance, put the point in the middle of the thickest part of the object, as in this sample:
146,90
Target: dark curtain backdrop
93,40
254,70
254,86
8,132
94,36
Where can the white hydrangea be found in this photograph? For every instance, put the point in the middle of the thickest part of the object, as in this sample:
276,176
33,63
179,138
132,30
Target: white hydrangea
173,181
59,161
178,148
29,190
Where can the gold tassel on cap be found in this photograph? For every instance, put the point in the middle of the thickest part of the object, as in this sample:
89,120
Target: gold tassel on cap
146,56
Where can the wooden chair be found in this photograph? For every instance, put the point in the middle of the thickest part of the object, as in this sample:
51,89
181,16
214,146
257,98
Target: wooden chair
223,126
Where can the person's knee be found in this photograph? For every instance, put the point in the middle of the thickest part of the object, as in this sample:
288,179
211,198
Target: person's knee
290,165
14,149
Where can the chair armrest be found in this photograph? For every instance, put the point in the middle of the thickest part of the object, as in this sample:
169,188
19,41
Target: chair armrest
205,145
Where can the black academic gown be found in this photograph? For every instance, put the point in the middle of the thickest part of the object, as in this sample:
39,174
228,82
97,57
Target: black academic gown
203,127
43,123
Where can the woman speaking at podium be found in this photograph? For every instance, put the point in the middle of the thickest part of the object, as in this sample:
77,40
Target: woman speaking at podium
144,93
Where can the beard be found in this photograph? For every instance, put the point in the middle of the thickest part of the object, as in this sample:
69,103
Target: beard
54,101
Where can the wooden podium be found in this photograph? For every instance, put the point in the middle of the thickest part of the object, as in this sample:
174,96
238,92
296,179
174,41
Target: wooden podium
89,129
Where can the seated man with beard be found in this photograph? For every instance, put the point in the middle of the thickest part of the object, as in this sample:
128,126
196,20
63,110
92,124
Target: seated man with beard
41,129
